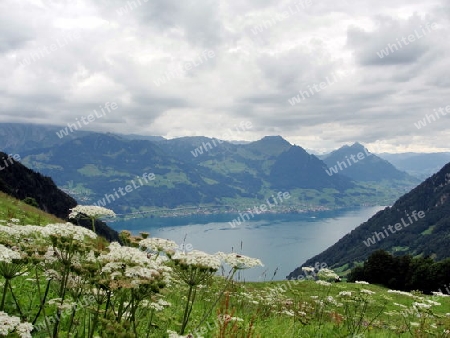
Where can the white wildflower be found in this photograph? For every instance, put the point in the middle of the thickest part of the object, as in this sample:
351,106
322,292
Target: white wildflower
98,292
227,318
401,293
69,230
9,324
24,330
290,313
308,269
237,261
23,233
197,258
361,282
54,301
52,274
432,302
91,211
157,306
90,257
368,292
321,282
173,334
331,300
159,245
439,294
421,305
7,255
124,254
327,274
51,255
141,272
345,293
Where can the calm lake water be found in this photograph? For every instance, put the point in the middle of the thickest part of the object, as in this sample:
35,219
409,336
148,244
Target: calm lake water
282,241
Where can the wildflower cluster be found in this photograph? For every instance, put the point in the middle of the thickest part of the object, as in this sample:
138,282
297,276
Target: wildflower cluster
91,211
71,273
9,324
239,262
64,280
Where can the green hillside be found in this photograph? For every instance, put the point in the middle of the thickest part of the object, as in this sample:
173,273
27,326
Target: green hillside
201,172
417,224
18,181
127,291
11,208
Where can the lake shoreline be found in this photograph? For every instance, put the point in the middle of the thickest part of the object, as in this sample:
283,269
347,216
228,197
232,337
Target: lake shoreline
282,241
214,211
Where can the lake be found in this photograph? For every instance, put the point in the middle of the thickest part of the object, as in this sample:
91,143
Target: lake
282,241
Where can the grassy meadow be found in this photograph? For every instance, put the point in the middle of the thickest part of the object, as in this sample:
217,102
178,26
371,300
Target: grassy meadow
61,280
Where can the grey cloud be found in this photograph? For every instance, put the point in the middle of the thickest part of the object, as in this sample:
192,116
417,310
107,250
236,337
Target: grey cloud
391,36
119,57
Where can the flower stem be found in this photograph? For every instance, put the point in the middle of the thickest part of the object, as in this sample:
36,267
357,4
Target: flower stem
5,287
187,309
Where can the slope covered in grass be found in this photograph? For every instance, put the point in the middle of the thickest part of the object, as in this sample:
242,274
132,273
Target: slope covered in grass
59,280
26,214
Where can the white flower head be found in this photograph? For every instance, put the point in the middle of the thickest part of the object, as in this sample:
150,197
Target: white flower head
173,334
7,255
24,330
124,254
322,282
327,274
308,269
432,302
345,293
418,305
159,245
439,294
227,318
69,230
404,293
91,211
9,324
197,258
239,262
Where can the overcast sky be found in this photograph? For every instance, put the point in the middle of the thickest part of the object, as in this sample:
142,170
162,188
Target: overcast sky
231,62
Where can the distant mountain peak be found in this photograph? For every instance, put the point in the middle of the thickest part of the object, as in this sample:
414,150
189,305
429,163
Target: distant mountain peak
270,145
358,163
358,145
274,139
347,149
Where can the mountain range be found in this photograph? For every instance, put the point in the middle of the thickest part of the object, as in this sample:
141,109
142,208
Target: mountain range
133,174
357,163
198,172
17,137
418,164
